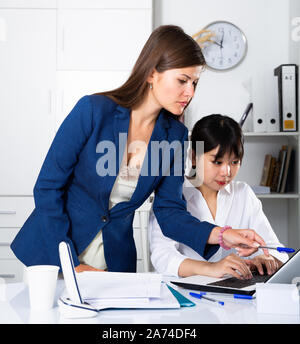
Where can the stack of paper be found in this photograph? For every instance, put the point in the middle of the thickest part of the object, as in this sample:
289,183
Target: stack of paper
125,290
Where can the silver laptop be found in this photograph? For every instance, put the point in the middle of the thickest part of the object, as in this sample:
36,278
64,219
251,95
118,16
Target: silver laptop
233,285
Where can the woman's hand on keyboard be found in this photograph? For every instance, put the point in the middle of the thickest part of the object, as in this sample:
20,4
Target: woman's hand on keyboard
258,263
231,264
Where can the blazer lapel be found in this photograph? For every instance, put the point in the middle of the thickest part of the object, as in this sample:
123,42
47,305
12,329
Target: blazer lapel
121,119
150,169
152,162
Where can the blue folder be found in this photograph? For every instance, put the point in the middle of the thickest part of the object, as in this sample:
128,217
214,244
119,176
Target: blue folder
183,301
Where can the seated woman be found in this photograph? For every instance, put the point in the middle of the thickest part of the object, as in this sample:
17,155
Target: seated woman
219,199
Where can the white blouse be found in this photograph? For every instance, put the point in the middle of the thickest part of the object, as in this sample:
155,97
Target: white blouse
122,191
237,206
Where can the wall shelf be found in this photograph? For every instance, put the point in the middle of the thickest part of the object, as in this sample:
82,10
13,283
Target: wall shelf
274,195
275,133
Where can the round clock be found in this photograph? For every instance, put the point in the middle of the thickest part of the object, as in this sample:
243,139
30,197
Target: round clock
227,46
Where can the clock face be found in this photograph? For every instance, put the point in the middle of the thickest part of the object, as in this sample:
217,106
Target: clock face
227,47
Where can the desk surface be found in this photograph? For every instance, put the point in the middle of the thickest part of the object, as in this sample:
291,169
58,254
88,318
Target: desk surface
14,309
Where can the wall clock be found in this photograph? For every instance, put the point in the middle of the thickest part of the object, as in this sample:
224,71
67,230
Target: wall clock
226,48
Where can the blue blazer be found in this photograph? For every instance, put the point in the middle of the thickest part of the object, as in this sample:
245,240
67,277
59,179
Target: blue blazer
72,199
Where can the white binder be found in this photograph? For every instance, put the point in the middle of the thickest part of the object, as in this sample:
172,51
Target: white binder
259,122
272,123
287,93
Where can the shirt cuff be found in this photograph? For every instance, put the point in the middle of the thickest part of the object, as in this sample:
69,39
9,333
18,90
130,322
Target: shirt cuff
174,264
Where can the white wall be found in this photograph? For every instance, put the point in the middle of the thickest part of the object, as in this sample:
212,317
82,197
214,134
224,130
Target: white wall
266,24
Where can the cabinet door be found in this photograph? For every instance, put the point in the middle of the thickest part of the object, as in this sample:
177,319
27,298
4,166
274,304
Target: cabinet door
27,84
72,85
98,39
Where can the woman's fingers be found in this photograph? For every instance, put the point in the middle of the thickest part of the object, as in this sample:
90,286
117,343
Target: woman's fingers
259,266
250,243
243,238
233,272
270,263
239,265
85,267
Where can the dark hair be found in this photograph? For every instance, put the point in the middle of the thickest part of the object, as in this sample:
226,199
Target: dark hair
168,47
218,130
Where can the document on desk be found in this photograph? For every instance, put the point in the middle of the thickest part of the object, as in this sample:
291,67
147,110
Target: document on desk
125,290
166,300
98,284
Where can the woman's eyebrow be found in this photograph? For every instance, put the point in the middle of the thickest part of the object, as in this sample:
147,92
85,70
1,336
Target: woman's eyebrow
186,76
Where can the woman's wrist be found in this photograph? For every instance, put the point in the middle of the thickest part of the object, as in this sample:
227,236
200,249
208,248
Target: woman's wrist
214,236
191,267
221,241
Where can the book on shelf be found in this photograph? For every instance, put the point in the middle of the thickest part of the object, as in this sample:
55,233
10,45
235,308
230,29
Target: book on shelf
259,189
266,169
275,176
271,171
281,158
289,186
286,168
277,173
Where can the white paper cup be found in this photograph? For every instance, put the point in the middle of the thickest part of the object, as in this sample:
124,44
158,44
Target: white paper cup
41,280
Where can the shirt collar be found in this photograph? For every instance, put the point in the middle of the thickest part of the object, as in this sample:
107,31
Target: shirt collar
189,190
228,189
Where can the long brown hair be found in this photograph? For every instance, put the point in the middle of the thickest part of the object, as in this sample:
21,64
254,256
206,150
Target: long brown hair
168,47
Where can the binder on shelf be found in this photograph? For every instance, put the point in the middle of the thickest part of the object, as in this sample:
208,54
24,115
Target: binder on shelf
272,123
245,114
259,122
287,95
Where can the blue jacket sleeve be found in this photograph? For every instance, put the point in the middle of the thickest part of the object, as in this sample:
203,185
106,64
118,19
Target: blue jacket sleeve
171,213
55,172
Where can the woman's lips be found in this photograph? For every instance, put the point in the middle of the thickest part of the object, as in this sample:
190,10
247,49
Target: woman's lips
183,104
220,183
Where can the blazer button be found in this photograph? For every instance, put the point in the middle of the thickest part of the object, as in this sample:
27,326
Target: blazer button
104,218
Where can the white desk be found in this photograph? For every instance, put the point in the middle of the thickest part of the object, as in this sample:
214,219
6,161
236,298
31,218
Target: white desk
15,310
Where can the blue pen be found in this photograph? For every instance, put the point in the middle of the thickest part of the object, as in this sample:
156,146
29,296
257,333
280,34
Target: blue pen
236,296
201,296
279,249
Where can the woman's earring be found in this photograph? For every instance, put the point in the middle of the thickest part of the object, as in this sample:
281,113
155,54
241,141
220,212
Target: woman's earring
150,86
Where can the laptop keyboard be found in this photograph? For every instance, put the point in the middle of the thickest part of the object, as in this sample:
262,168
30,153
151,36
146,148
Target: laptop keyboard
234,282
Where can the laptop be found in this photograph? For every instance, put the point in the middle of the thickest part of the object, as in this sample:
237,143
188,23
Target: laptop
233,285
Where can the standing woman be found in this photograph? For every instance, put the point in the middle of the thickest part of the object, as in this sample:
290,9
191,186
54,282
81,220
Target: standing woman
77,201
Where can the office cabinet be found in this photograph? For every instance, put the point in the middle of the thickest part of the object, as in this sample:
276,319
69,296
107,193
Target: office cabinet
27,84
97,39
52,53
